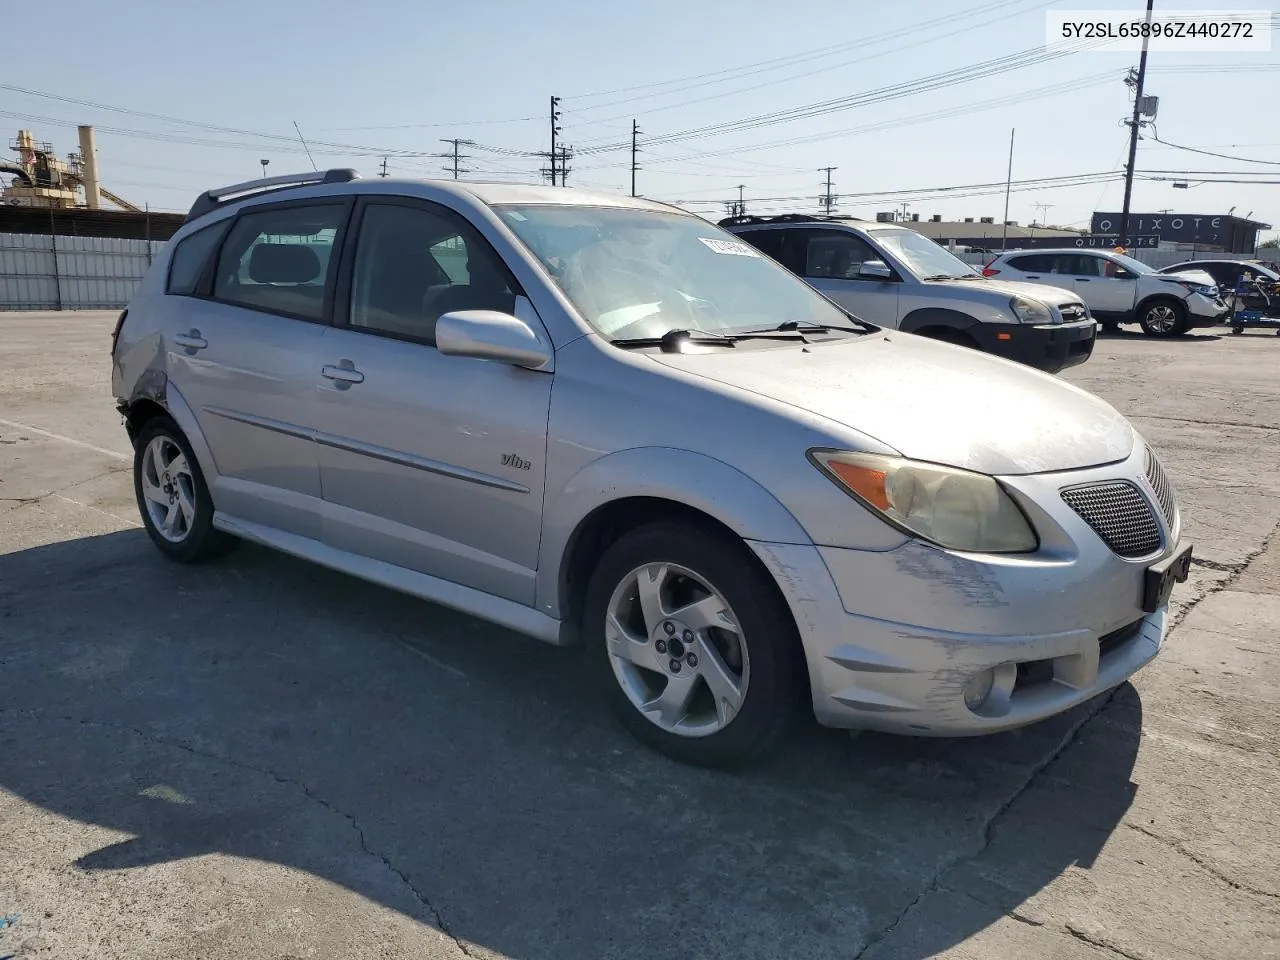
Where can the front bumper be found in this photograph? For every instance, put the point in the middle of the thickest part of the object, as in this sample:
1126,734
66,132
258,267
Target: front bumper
1205,312
892,638
1051,347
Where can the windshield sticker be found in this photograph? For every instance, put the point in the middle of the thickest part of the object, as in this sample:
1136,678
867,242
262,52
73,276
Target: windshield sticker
735,248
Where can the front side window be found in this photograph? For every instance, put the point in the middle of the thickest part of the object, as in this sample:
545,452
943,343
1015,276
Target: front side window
191,256
1032,263
642,273
836,255
414,264
279,260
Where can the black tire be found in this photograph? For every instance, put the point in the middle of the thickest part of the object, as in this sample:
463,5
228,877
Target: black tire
201,542
766,626
1152,308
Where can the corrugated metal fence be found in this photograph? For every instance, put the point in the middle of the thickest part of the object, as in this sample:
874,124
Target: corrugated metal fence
71,273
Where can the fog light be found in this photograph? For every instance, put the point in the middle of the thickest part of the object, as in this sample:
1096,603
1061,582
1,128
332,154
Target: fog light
978,689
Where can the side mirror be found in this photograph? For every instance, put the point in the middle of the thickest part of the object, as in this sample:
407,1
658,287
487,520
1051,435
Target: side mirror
491,335
875,270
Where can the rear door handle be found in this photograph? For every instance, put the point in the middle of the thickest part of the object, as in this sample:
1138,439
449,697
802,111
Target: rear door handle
344,372
1033,276
191,340
1083,280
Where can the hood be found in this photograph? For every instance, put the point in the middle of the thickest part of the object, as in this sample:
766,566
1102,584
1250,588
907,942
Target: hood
931,401
1191,276
1043,293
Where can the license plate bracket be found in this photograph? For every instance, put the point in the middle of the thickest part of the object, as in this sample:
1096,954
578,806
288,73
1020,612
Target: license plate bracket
1161,578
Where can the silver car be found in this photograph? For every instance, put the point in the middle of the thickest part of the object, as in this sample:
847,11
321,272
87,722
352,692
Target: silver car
600,419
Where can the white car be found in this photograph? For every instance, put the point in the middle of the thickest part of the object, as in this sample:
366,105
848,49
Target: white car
1120,289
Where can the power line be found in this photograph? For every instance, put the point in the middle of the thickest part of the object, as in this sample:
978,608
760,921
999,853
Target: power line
1209,153
987,68
729,74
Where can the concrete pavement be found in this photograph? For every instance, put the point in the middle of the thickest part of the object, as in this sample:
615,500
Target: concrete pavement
261,758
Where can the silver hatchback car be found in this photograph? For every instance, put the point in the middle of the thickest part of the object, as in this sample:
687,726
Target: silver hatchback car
600,419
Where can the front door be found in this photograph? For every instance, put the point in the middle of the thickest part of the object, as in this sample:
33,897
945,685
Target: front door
831,263
429,462
244,358
1097,282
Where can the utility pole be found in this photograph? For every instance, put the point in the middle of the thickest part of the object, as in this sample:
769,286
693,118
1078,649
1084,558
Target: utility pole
565,154
827,201
455,157
1044,209
742,202
635,133
555,132
1137,82
1008,187
904,206
384,167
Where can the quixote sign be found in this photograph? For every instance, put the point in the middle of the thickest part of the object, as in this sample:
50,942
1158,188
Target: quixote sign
1170,227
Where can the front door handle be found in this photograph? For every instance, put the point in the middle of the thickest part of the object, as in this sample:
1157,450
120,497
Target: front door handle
1083,280
191,340
344,372
1033,276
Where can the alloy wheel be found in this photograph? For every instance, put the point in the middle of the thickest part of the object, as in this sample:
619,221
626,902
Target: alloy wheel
676,650
168,489
1162,318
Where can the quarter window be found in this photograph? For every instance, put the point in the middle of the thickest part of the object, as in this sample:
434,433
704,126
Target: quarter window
190,257
413,265
279,260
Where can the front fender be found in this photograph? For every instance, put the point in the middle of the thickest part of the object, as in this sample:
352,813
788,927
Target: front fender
691,479
936,317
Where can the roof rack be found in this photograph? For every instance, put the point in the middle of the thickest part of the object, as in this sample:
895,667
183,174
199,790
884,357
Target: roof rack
210,200
785,218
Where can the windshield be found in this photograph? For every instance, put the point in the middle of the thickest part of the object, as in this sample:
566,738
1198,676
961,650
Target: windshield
922,255
1132,265
642,273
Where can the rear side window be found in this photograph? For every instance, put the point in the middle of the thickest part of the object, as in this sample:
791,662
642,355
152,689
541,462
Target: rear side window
190,257
279,260
1033,263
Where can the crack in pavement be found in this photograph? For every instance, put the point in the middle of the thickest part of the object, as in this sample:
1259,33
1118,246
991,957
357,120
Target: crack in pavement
1105,701
1206,423
1203,864
437,918
1102,944
1216,565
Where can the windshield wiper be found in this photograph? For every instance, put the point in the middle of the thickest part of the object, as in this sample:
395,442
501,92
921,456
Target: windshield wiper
815,327
951,276
671,340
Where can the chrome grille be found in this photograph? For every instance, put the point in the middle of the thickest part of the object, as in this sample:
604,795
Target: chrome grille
1119,514
1163,488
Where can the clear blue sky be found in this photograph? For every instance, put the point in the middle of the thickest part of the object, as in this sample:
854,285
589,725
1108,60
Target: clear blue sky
394,75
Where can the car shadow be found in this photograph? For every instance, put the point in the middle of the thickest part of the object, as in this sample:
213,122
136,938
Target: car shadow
1199,335
262,707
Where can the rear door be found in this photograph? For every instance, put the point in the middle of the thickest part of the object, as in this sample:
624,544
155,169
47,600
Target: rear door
429,462
245,355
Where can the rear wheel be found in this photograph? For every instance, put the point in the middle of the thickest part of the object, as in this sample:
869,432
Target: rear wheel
173,499
1163,318
693,644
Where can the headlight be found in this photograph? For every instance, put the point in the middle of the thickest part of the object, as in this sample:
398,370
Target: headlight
1030,311
952,508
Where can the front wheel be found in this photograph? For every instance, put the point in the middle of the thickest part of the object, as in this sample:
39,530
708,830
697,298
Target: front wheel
693,644
1163,318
